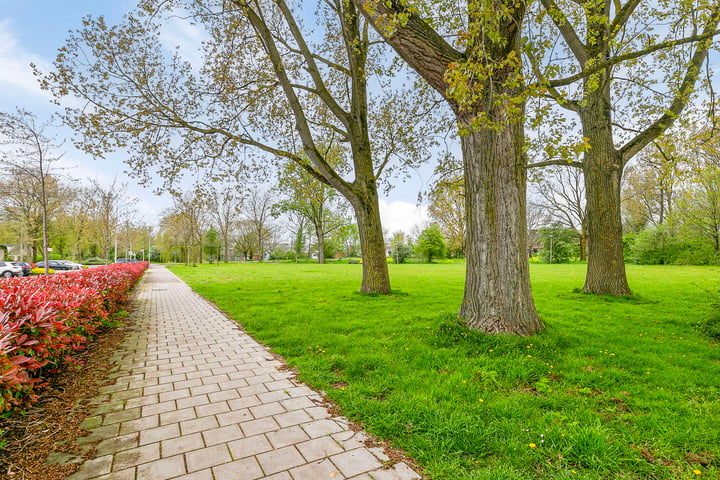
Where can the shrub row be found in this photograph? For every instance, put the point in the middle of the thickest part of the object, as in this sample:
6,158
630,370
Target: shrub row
45,319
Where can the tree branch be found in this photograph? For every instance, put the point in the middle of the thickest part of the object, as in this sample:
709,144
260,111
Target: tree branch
682,97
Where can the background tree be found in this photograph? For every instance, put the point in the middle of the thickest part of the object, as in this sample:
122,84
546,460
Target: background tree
607,87
263,86
561,193
111,206
559,243
258,212
400,248
316,202
431,243
226,203
447,210
653,181
30,155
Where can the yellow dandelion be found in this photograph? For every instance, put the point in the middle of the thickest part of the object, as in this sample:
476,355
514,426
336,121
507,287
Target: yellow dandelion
532,445
697,472
481,400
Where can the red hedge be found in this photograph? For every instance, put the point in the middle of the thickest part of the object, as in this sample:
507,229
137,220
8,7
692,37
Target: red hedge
45,319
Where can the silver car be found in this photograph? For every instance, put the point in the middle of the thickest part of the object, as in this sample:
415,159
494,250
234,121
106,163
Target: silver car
10,269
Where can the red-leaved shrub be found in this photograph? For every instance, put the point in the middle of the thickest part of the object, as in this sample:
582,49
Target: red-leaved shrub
45,319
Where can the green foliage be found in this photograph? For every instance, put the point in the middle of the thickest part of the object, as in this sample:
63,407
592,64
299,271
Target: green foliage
560,242
431,243
94,261
710,324
610,384
657,246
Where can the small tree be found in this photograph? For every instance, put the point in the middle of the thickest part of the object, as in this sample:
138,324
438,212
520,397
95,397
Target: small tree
431,243
401,249
30,153
560,244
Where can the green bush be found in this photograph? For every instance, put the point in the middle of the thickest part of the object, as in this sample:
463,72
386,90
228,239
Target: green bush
559,241
94,261
710,325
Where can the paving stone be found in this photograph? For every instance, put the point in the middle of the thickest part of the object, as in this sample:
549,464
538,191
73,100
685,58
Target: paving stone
399,471
207,457
356,462
287,436
118,444
261,425
140,424
222,435
93,468
320,470
318,428
280,459
177,416
162,469
159,433
245,469
267,410
295,417
212,409
136,456
198,425
185,443
319,448
192,400
248,447
199,475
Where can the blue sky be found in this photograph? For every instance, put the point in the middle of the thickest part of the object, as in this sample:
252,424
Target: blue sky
31,31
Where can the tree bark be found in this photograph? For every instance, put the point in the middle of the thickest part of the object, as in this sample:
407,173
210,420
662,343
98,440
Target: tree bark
376,278
497,295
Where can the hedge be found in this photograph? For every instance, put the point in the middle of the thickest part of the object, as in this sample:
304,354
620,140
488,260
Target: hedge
44,320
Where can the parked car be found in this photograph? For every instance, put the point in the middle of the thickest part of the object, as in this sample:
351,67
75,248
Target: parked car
26,268
127,260
59,265
10,269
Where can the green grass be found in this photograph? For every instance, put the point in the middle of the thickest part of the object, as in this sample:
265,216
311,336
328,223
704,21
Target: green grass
615,388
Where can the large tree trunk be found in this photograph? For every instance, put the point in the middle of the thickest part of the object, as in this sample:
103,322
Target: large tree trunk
497,296
376,278
602,168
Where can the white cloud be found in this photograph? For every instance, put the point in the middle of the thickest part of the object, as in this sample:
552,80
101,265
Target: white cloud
16,76
404,216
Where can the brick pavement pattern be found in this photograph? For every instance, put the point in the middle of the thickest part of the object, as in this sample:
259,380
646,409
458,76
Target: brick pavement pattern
195,398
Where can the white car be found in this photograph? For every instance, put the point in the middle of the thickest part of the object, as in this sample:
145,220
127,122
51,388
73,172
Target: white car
10,269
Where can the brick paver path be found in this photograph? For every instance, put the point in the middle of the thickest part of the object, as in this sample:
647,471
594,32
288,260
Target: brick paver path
195,398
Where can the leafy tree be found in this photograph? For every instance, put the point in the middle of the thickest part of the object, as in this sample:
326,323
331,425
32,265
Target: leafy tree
258,211
561,193
447,209
211,244
110,207
560,244
400,248
313,200
479,75
613,45
431,243
265,89
30,156
225,204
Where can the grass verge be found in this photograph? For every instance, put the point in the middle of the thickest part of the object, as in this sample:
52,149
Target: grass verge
615,388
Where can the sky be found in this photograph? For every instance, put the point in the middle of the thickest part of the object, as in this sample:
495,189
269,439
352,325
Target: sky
31,31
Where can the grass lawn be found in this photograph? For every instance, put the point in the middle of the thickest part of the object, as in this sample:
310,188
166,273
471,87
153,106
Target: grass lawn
615,388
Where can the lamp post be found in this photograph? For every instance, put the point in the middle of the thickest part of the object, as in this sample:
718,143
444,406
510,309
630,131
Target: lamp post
551,248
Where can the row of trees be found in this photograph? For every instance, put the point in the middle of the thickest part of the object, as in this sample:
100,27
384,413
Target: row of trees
265,86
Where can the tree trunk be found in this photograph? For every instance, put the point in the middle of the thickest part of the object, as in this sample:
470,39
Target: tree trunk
602,168
320,244
583,244
376,278
497,295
